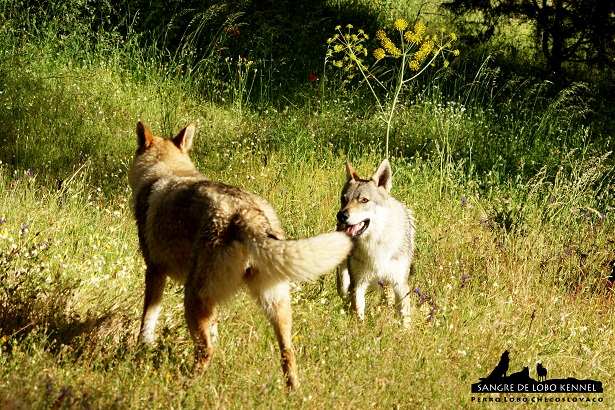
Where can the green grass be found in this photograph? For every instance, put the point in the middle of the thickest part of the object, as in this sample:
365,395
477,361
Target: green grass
513,195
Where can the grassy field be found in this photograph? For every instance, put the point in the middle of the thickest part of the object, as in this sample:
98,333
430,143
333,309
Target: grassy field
510,180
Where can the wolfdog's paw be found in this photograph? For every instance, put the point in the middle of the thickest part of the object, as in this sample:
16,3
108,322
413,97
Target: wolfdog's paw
407,316
147,339
200,366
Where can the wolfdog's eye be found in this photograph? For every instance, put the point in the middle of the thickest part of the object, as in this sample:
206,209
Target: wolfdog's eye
364,200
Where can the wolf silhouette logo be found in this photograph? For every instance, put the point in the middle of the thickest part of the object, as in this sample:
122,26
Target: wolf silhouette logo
501,369
542,372
521,382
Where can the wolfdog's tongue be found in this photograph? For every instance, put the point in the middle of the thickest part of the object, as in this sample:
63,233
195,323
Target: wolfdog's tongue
353,230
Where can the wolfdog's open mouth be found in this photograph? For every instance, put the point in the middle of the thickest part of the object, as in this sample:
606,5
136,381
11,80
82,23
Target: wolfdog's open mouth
358,229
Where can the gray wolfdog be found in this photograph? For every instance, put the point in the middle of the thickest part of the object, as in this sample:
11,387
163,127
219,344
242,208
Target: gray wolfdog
383,230
214,238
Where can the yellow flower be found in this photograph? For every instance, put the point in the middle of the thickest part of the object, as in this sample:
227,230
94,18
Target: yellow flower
412,37
414,65
349,26
381,35
379,54
424,50
391,48
420,28
455,53
338,64
400,24
453,36
337,48
338,27
446,63
416,36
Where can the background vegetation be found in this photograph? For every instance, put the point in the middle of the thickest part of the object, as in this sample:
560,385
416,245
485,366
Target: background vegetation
508,169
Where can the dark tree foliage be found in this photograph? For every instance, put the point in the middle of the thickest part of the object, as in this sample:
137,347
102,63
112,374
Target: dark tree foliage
581,31
290,34
287,37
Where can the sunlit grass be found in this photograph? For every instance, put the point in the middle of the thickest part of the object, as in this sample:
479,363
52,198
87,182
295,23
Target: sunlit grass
529,291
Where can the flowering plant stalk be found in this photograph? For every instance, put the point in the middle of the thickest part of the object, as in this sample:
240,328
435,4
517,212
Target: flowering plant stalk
416,52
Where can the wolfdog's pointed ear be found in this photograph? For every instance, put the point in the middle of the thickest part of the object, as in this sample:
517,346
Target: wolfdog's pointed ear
183,140
144,136
351,174
384,176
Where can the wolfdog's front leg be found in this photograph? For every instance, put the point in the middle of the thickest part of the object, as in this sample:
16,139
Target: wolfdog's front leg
402,301
155,280
343,281
358,299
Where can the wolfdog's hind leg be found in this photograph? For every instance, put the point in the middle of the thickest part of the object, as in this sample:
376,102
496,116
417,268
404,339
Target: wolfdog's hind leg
214,276
155,281
275,301
200,315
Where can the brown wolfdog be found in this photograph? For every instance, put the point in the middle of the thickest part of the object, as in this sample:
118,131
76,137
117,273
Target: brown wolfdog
214,238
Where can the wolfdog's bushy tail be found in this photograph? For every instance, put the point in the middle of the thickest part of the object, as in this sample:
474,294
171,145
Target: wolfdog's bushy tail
300,259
